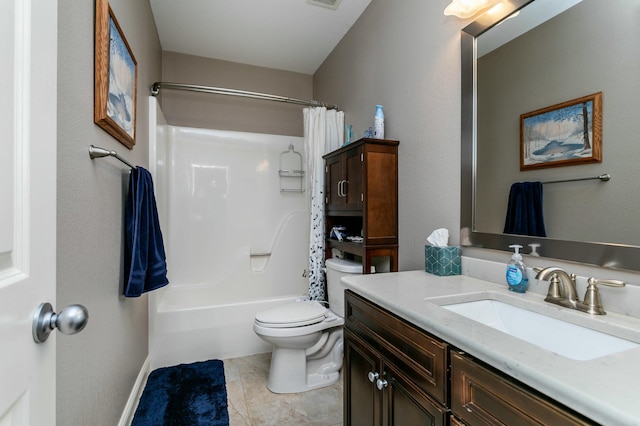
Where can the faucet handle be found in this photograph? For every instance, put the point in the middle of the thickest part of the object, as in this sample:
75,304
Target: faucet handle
608,283
554,293
592,301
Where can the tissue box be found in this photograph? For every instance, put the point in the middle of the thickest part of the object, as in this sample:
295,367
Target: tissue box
442,261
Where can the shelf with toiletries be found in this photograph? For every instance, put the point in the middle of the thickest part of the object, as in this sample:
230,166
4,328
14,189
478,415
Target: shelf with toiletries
361,195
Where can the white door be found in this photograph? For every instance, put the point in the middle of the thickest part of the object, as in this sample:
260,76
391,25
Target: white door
28,46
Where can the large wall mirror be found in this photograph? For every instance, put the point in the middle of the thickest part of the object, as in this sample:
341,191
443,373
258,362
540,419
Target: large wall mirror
536,54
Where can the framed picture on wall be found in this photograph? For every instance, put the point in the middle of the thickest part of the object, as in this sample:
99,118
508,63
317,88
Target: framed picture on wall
562,135
116,72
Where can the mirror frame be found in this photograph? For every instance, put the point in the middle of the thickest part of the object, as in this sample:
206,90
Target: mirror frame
608,255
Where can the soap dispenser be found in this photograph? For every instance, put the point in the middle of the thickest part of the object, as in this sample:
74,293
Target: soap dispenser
517,272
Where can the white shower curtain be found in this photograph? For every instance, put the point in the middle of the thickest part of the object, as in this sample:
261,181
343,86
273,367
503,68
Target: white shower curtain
323,132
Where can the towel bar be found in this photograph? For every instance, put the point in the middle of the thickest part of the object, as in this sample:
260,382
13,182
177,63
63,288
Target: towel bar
603,178
97,152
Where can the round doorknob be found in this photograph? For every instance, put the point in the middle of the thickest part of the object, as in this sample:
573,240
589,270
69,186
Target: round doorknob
373,376
381,384
70,320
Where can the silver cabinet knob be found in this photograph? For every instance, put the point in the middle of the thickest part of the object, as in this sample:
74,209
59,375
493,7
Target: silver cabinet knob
70,320
381,384
373,376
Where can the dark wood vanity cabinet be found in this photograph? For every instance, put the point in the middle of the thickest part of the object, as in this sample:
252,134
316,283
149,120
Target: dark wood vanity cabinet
361,193
398,374
481,396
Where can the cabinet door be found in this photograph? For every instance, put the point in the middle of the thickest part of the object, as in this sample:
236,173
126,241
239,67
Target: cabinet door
343,181
353,199
406,404
362,400
333,184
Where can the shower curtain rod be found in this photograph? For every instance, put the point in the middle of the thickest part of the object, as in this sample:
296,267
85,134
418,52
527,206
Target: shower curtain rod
155,91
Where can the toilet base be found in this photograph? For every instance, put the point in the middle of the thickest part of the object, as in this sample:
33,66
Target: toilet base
292,371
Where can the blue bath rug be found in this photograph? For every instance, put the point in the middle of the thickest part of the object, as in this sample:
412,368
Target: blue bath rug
186,394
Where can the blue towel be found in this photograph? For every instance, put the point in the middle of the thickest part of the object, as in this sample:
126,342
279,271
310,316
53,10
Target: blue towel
524,212
145,261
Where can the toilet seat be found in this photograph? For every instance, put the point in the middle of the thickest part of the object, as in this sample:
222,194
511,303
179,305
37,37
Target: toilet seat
294,314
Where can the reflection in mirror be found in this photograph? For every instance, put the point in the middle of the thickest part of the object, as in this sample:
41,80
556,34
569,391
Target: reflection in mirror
583,49
567,57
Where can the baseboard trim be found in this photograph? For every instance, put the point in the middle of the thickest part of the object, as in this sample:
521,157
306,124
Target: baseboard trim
136,392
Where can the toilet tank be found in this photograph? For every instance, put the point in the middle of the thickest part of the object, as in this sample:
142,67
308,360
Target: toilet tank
336,269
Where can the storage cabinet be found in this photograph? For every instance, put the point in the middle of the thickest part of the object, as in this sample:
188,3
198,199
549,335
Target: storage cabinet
361,193
398,374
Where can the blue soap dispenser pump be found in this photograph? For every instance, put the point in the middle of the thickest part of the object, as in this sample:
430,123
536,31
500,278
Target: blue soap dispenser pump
517,272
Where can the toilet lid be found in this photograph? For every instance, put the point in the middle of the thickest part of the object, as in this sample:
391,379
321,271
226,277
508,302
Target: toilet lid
294,314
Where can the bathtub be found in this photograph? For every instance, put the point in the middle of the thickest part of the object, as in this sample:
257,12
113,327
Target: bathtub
184,331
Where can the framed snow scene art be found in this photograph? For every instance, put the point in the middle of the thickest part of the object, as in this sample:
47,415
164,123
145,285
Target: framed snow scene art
565,134
116,73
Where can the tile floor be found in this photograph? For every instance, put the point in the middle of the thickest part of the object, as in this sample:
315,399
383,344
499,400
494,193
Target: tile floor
252,404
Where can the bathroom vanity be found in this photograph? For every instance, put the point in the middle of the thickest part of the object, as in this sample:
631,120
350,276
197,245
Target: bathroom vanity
410,360
361,194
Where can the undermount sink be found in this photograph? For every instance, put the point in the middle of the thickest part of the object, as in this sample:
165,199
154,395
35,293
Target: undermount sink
558,336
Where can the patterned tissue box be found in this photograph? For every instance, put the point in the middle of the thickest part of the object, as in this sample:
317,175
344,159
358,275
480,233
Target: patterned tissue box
442,261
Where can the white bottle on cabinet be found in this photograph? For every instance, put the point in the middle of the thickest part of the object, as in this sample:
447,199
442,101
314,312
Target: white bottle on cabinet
378,123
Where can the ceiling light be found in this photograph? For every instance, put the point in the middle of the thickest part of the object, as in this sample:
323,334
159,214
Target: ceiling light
465,9
329,4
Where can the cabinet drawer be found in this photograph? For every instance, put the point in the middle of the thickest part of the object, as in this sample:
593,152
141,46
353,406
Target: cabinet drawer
423,357
480,396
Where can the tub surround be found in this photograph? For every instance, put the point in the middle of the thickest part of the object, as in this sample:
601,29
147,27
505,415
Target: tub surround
225,262
597,388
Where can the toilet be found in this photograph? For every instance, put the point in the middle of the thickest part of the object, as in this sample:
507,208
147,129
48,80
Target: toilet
307,336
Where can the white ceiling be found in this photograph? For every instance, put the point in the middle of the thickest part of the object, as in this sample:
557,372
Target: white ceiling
288,35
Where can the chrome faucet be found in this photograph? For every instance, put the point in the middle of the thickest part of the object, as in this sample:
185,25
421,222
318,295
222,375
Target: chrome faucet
562,290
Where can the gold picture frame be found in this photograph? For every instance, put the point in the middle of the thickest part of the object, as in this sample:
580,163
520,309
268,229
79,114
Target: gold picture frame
116,74
562,135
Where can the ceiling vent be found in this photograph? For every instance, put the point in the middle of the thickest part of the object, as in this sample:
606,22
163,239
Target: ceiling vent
329,4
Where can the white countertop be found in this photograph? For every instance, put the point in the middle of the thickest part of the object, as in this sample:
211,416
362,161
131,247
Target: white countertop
605,389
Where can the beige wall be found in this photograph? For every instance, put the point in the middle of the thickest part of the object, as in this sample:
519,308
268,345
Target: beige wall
97,368
232,113
407,57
